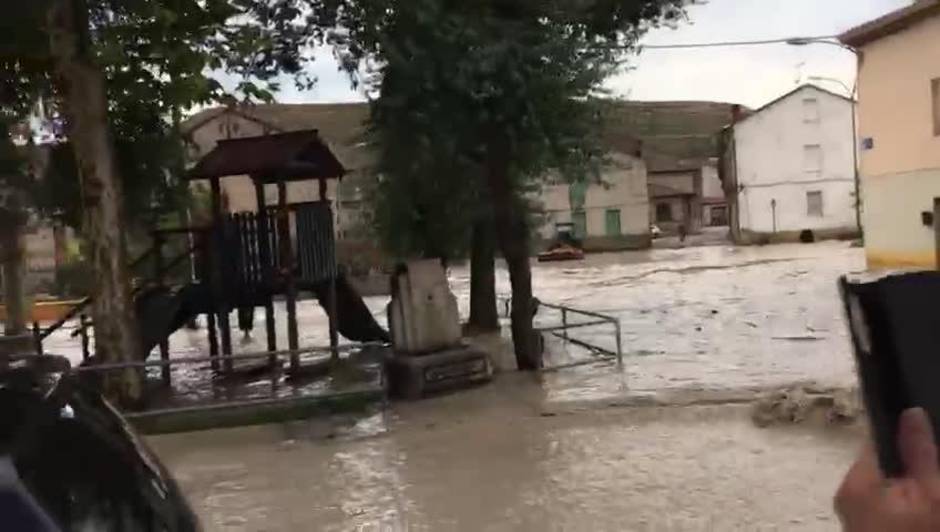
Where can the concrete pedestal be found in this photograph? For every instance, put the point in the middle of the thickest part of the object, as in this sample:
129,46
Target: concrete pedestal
413,377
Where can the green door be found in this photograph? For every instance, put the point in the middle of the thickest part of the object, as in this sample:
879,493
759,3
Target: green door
613,222
579,219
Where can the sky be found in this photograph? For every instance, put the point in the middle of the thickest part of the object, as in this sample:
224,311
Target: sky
751,76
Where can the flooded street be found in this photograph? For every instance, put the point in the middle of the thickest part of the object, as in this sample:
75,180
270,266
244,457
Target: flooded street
488,459
711,317
707,318
700,326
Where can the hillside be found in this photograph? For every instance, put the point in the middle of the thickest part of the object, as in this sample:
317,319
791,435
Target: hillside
674,135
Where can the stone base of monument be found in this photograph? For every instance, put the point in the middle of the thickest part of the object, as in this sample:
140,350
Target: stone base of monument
413,377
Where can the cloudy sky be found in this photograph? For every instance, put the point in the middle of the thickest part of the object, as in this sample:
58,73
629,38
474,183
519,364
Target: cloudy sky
751,76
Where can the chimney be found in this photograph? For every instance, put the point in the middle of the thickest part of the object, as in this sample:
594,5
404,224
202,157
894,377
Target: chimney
737,113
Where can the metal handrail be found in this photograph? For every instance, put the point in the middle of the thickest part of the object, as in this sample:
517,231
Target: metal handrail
561,331
274,369
184,230
137,290
77,309
247,403
196,360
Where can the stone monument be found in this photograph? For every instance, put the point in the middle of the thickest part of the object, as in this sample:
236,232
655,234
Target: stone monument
429,353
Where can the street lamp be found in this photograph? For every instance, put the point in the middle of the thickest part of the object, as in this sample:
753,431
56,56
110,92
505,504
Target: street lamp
805,41
848,90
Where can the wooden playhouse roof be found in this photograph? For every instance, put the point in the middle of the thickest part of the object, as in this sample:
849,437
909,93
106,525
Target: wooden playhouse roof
294,156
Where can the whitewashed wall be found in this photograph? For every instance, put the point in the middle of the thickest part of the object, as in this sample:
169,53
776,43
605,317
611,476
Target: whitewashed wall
626,190
772,164
711,183
240,190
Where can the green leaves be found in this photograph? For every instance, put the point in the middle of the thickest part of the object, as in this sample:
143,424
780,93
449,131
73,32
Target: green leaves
159,58
462,80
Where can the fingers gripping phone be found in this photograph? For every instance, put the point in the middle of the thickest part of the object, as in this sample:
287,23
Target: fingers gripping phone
895,329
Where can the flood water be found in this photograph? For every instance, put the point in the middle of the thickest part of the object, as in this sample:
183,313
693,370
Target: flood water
553,452
489,459
711,317
708,317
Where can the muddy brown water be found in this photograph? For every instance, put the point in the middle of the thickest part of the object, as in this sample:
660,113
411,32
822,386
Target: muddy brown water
494,459
700,320
698,317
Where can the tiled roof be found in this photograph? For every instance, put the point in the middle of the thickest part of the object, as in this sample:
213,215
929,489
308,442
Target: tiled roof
891,23
672,136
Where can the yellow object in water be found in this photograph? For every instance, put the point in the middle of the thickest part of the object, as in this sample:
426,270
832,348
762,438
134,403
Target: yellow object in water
44,311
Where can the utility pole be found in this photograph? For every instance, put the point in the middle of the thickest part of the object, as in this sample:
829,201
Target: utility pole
852,94
831,40
858,197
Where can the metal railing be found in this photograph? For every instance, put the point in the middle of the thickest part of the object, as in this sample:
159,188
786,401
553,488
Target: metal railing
41,334
272,356
562,332
161,268
274,369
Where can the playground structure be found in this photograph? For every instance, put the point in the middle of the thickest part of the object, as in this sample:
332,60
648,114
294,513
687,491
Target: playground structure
244,261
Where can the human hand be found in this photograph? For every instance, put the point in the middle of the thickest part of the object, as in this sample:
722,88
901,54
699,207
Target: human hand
868,502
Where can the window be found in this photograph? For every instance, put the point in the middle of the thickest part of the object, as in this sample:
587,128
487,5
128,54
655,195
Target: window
935,98
613,222
811,111
579,219
812,158
663,212
814,203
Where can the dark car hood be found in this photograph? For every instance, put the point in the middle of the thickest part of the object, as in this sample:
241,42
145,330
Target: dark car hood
81,461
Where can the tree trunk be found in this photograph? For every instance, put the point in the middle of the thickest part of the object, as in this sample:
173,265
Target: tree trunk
484,315
13,220
13,262
513,236
81,82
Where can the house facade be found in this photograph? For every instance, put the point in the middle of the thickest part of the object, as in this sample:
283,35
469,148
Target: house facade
609,215
687,197
43,242
788,169
340,125
714,203
669,144
43,246
899,132
675,198
680,149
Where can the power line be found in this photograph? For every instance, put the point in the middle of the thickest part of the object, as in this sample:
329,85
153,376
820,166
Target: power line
788,40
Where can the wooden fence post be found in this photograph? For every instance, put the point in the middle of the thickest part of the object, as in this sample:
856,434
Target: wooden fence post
160,278
84,325
37,337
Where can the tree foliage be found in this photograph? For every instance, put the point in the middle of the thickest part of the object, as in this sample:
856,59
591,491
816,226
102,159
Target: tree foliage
457,78
120,73
477,70
479,100
160,58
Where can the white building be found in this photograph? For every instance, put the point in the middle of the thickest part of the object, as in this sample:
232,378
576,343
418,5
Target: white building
788,169
341,126
611,214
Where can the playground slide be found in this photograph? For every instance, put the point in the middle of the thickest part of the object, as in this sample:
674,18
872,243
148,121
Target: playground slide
161,311
354,319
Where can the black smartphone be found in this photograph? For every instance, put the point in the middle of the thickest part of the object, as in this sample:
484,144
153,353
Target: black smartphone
895,329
